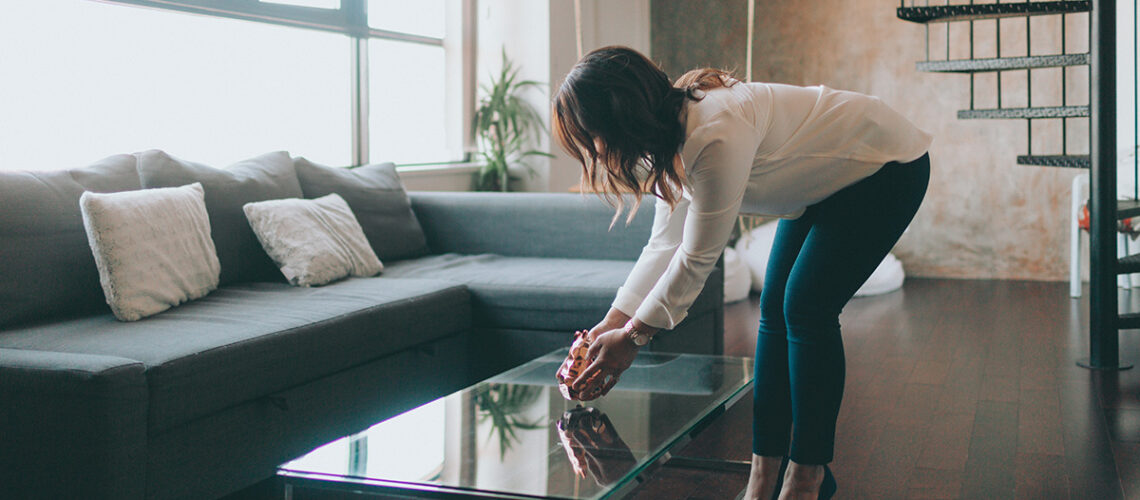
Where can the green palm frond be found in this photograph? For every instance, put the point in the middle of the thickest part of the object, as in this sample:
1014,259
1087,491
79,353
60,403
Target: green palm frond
506,126
503,404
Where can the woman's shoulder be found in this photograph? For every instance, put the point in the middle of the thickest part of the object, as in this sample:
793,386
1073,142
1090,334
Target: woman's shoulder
723,105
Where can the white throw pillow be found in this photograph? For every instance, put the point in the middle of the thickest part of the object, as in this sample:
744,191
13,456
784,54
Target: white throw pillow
314,241
152,248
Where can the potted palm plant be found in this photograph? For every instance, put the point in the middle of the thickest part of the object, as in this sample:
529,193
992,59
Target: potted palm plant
507,128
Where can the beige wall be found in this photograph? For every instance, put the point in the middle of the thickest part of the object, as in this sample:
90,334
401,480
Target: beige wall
984,216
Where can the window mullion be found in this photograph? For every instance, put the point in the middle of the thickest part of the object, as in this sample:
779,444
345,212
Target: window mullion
360,101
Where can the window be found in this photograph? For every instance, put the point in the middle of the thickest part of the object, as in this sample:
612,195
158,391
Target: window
410,103
218,86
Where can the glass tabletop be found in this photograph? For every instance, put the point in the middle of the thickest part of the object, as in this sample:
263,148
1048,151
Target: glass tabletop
515,436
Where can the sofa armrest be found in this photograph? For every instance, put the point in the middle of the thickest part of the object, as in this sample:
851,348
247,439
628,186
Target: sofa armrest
561,225
72,425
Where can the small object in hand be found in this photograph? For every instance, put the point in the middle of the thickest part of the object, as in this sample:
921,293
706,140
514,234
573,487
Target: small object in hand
573,365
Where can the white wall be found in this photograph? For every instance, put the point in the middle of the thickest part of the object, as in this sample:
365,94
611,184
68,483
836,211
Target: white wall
540,37
604,22
519,27
1125,98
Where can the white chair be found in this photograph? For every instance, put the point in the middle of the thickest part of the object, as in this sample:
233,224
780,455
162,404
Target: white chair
1080,195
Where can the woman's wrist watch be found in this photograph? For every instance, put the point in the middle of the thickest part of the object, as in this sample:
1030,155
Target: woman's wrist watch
639,337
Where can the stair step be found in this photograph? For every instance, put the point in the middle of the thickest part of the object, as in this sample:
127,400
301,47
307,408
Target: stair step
1127,209
1128,321
1128,265
1040,112
948,13
1067,161
1003,63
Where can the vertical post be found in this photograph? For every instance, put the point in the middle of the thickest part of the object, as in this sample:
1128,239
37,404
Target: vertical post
997,44
1103,334
972,74
360,101
358,13
1064,91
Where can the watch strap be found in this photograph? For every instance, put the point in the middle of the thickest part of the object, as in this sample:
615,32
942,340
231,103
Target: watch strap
636,335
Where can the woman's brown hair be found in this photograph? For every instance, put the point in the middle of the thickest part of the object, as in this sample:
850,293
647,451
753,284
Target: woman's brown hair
623,100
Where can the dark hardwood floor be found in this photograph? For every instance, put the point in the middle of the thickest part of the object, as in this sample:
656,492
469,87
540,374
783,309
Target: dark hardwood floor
957,389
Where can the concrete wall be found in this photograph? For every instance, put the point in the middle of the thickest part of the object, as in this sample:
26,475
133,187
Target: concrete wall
984,216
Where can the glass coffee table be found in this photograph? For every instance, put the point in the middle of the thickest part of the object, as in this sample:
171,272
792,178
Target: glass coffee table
514,436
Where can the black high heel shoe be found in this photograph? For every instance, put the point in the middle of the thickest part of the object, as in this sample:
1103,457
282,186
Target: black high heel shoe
827,488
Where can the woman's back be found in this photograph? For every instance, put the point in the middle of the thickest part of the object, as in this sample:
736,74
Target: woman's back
809,142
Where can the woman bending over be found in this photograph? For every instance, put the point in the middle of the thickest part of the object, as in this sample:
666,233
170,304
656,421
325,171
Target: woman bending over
843,171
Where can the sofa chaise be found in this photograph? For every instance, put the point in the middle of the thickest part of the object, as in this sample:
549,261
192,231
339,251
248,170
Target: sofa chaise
210,396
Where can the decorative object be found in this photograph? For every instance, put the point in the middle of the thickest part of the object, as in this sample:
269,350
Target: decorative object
313,242
593,445
377,198
507,126
267,177
573,365
152,248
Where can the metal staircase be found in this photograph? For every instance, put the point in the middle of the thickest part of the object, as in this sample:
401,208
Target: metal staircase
1104,320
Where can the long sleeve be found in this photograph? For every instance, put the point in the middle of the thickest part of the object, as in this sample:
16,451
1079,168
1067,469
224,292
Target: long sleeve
668,223
725,147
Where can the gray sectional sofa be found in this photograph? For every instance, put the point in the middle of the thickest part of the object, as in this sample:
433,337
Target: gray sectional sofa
208,397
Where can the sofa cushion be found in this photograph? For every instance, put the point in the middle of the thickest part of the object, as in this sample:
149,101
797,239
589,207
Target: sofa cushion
377,197
247,341
314,242
266,177
45,263
532,293
152,248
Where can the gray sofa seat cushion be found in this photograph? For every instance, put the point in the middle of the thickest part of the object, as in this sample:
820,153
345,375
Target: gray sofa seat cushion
45,262
247,341
531,293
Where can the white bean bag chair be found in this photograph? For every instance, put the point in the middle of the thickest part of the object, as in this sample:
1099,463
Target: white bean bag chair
737,276
754,249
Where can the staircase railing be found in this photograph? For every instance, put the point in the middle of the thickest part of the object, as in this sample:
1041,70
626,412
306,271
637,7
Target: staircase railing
1105,210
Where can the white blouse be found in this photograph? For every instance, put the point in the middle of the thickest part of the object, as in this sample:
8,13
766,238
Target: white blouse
763,149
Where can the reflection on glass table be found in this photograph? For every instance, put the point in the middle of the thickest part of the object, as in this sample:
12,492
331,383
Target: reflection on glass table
593,445
515,436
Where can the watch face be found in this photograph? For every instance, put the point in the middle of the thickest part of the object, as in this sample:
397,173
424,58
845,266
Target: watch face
638,338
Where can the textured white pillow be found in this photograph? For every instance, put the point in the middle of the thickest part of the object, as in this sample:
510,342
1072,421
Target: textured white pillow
152,248
313,241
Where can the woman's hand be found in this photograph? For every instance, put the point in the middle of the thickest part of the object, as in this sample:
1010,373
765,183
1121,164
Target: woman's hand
611,353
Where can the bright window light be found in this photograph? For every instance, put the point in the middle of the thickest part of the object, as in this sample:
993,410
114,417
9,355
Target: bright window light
409,446
407,119
421,17
126,79
320,4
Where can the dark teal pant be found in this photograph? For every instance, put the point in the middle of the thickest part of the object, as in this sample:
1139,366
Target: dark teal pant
818,262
